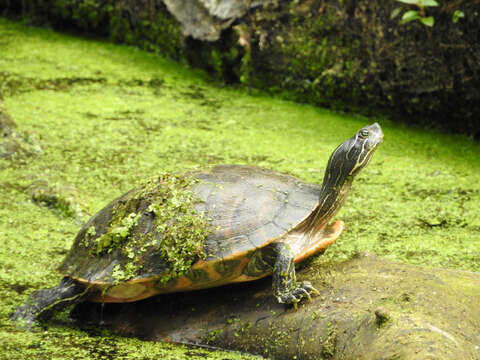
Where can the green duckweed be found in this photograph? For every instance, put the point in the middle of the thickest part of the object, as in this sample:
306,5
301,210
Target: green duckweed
157,217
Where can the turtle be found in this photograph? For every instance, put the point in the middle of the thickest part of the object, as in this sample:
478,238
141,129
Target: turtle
197,230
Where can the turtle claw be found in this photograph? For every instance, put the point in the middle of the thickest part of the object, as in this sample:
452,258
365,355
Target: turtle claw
301,291
307,285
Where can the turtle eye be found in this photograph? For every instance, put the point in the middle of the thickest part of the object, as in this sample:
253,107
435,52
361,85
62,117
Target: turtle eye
364,133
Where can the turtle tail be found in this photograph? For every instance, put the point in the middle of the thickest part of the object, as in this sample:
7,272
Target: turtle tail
42,304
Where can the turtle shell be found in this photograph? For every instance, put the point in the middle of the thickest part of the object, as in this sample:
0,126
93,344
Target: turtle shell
246,208
250,207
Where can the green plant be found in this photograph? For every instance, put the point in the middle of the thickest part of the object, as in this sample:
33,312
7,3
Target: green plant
457,15
418,14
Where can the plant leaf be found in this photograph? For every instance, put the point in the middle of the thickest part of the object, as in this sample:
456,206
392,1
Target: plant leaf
410,16
457,15
397,11
426,3
411,2
427,21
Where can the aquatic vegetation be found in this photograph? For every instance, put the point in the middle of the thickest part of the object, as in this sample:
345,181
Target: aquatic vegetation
106,117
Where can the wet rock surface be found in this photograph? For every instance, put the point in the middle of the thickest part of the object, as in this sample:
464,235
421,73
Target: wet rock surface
205,19
368,308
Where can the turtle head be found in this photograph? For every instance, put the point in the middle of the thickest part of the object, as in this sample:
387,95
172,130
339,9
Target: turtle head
344,164
352,156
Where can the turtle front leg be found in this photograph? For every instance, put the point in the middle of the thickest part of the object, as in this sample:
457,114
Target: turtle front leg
285,287
43,303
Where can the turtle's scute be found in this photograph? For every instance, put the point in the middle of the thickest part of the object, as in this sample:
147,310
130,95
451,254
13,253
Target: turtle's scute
159,229
249,207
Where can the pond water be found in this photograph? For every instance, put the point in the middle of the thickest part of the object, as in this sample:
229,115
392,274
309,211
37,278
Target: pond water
96,118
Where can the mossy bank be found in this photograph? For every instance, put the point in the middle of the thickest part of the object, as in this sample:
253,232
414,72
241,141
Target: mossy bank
348,55
97,119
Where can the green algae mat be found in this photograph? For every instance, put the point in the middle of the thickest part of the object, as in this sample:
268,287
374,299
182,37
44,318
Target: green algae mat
94,119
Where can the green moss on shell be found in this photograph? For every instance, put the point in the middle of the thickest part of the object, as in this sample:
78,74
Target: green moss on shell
118,233
177,231
183,230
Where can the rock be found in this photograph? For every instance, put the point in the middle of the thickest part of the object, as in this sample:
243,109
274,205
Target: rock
368,308
14,145
205,19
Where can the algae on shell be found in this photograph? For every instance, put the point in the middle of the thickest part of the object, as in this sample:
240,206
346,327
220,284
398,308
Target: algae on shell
157,218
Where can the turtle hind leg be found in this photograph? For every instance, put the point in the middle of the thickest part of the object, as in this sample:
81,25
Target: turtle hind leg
43,303
285,286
